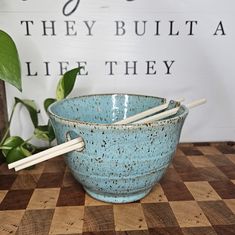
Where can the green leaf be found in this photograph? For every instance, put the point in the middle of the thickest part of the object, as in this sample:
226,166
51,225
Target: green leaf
45,132
19,152
16,154
10,70
11,142
32,109
5,148
42,133
48,102
51,132
27,149
66,83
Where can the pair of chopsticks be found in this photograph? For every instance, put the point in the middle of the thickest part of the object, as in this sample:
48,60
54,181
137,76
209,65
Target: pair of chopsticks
147,116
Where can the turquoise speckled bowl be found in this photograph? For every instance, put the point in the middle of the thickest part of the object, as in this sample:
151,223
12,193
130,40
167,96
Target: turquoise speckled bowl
120,163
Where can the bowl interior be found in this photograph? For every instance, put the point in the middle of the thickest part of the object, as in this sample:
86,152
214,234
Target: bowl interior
104,109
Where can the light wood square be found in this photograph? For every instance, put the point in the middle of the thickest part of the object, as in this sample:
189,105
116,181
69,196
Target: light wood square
200,161
202,191
90,201
209,150
231,157
171,166
179,153
67,220
129,217
189,214
9,221
44,198
2,194
230,203
156,195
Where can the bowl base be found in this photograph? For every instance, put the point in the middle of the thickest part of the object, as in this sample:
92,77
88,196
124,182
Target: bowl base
123,198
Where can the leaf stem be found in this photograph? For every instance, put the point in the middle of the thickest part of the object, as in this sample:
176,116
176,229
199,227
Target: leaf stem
5,148
8,127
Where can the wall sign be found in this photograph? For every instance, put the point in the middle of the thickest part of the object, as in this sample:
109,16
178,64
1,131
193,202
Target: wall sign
151,47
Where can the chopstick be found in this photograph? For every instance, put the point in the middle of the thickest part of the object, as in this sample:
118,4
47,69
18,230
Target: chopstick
78,144
146,113
79,147
170,112
159,116
59,148
196,103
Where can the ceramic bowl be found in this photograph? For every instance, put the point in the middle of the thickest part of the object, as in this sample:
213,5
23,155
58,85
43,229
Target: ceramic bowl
120,163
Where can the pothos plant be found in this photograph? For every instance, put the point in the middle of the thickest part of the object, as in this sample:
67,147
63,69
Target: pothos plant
14,147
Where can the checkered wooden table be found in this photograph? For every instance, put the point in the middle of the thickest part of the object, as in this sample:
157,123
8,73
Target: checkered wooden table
196,196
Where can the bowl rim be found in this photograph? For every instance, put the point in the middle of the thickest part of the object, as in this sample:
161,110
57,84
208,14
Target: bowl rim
132,126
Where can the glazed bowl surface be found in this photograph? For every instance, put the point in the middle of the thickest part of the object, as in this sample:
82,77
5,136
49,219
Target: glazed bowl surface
120,163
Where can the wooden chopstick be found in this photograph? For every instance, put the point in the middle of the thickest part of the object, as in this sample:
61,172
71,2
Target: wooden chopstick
158,116
196,103
75,144
170,112
79,147
55,149
146,113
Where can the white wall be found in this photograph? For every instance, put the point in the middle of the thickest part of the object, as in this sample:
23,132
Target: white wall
203,62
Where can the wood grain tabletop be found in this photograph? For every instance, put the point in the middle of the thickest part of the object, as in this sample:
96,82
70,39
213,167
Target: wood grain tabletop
195,197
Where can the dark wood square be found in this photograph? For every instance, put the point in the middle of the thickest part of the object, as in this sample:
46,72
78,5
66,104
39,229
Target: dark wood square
159,215
219,160
165,231
69,180
6,181
171,175
226,149
176,191
98,218
198,144
199,231
136,232
71,196
190,151
36,222
55,166
212,174
189,174
228,170
50,180
25,181
181,162
217,212
4,169
225,230
16,199
225,189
